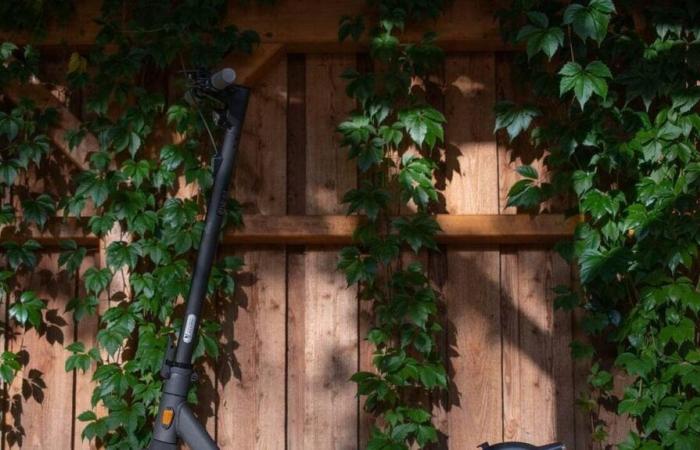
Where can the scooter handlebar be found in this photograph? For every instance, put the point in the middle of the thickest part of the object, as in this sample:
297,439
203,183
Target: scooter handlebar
223,79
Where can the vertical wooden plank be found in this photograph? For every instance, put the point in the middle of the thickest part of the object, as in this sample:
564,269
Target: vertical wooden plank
563,364
4,300
583,426
296,134
296,290
85,332
471,154
329,172
366,319
508,159
41,396
471,293
325,406
537,368
251,411
86,329
472,286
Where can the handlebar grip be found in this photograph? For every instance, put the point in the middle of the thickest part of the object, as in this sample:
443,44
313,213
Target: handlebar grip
223,79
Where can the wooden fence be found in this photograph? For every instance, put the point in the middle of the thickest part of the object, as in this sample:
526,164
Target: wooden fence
295,333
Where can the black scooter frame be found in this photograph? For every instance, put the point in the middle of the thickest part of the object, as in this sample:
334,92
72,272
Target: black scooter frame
175,420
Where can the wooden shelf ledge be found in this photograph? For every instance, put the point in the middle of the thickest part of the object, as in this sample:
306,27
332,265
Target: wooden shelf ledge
337,230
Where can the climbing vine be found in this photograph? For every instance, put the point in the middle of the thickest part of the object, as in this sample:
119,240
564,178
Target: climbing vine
615,105
392,135
25,145
134,189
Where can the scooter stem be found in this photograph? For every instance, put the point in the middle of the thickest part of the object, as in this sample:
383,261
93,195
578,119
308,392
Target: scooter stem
175,420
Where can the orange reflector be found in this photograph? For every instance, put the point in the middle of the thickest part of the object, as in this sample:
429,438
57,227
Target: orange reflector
167,417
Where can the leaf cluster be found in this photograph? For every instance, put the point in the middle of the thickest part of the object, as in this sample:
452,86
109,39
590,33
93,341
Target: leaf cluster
393,137
615,103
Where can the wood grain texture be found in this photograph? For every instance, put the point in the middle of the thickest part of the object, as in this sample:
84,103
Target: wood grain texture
325,408
329,172
472,286
251,411
296,340
296,277
471,292
537,367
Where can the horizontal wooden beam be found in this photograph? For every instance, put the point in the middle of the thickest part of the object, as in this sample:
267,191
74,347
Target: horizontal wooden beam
56,230
311,25
456,229
338,230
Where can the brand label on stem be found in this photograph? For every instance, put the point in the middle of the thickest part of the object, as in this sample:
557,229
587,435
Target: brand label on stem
189,328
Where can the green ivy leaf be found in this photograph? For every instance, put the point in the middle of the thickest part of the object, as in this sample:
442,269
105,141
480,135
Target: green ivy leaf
418,231
28,309
584,82
7,214
9,366
97,280
426,434
8,171
138,172
590,21
368,199
384,46
111,338
357,267
101,225
540,36
582,181
171,157
83,306
94,186
513,119
423,124
415,178
39,209
120,254
21,255
356,130
528,172
351,27
79,359
682,332
10,125
6,50
72,256
525,194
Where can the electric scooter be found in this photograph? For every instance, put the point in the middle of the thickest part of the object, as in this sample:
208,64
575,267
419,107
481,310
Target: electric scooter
175,421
